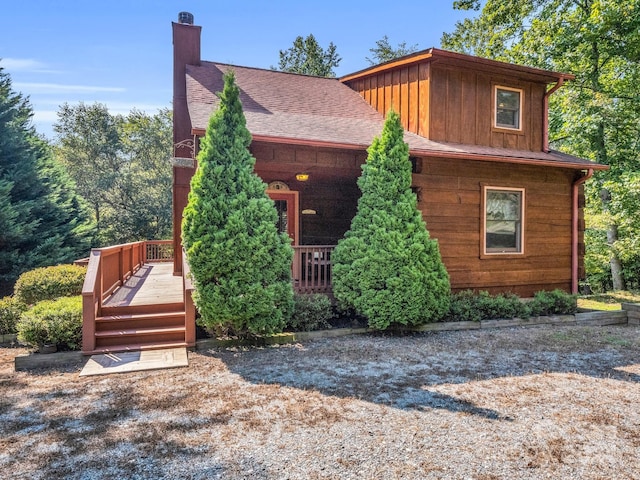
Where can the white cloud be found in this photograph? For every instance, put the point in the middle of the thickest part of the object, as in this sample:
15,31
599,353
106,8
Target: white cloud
52,88
25,65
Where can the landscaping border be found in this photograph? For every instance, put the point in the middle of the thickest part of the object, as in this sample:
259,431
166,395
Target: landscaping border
629,315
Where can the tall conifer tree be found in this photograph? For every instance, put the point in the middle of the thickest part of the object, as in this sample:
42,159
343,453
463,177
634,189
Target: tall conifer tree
42,219
241,264
387,268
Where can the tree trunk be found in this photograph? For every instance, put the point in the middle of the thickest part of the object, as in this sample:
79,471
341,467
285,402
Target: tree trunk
616,265
612,237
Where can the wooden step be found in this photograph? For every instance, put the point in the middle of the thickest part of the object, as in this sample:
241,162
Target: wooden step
135,347
140,336
140,320
139,331
142,309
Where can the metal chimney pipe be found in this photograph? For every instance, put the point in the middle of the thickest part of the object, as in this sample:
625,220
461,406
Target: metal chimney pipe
185,18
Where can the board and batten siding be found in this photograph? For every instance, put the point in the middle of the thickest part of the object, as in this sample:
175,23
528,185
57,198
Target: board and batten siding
450,198
405,90
448,104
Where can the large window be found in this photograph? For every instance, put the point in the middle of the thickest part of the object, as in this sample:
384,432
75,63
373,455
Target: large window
508,108
503,220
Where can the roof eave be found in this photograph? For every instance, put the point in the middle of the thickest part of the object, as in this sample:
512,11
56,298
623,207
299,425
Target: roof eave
434,54
511,160
425,153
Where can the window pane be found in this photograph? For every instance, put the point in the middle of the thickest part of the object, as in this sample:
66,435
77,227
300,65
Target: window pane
502,235
507,108
503,221
508,99
281,207
507,118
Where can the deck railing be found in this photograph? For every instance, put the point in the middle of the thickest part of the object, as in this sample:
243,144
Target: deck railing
159,250
312,268
107,269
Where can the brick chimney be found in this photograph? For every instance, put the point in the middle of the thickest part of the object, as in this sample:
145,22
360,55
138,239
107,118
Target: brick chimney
186,51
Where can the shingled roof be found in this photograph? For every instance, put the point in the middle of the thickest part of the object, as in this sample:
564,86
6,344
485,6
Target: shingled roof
300,109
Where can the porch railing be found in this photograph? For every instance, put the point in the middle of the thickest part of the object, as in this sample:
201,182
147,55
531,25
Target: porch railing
312,268
159,250
107,269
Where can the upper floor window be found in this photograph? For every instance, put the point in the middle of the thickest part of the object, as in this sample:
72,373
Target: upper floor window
508,108
503,220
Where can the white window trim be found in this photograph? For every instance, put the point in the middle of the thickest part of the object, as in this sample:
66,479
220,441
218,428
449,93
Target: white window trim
520,252
495,107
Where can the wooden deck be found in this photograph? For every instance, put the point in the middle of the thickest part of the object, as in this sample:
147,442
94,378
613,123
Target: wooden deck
152,284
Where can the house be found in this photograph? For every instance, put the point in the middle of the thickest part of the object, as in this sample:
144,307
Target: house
506,210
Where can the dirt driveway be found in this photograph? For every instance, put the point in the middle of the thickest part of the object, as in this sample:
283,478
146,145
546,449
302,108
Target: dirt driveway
531,403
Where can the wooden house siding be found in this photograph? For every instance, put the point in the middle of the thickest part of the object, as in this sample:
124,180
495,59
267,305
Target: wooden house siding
450,194
449,104
405,89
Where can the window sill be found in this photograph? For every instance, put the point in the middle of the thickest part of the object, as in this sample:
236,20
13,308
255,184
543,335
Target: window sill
502,256
513,131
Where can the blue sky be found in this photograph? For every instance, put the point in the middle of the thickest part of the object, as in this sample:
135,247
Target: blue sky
119,52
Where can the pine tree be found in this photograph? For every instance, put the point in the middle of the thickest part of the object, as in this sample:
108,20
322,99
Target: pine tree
387,268
241,264
42,219
307,57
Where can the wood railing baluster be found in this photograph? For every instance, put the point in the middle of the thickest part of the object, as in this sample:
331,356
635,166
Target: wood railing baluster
312,268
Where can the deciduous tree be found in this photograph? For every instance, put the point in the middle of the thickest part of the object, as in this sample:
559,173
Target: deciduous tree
121,164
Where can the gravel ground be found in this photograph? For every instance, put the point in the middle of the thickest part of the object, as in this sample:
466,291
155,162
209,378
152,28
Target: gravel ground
530,403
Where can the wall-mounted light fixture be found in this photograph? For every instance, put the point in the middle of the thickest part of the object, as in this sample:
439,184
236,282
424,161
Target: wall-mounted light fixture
302,177
308,211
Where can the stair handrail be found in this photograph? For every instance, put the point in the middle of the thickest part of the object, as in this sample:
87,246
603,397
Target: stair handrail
108,268
189,306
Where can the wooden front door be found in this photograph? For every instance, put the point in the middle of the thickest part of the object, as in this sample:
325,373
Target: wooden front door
287,207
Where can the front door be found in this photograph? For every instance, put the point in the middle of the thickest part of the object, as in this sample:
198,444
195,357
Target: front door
287,206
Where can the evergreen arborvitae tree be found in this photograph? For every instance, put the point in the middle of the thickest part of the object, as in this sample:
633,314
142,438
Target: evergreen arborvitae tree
240,263
42,219
387,268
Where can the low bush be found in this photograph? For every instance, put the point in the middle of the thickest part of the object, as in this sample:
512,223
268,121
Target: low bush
10,312
555,302
57,322
48,283
471,306
310,312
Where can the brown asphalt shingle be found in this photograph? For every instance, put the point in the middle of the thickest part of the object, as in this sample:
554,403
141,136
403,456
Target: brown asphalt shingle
301,108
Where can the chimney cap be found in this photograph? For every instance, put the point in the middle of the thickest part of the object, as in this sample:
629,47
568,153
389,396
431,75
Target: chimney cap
185,18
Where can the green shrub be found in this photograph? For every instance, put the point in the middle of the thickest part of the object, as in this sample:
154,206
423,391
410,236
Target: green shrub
240,263
387,268
56,322
471,306
310,312
10,312
556,302
48,283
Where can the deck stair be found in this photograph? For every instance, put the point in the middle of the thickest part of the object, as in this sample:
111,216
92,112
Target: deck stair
128,328
132,301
